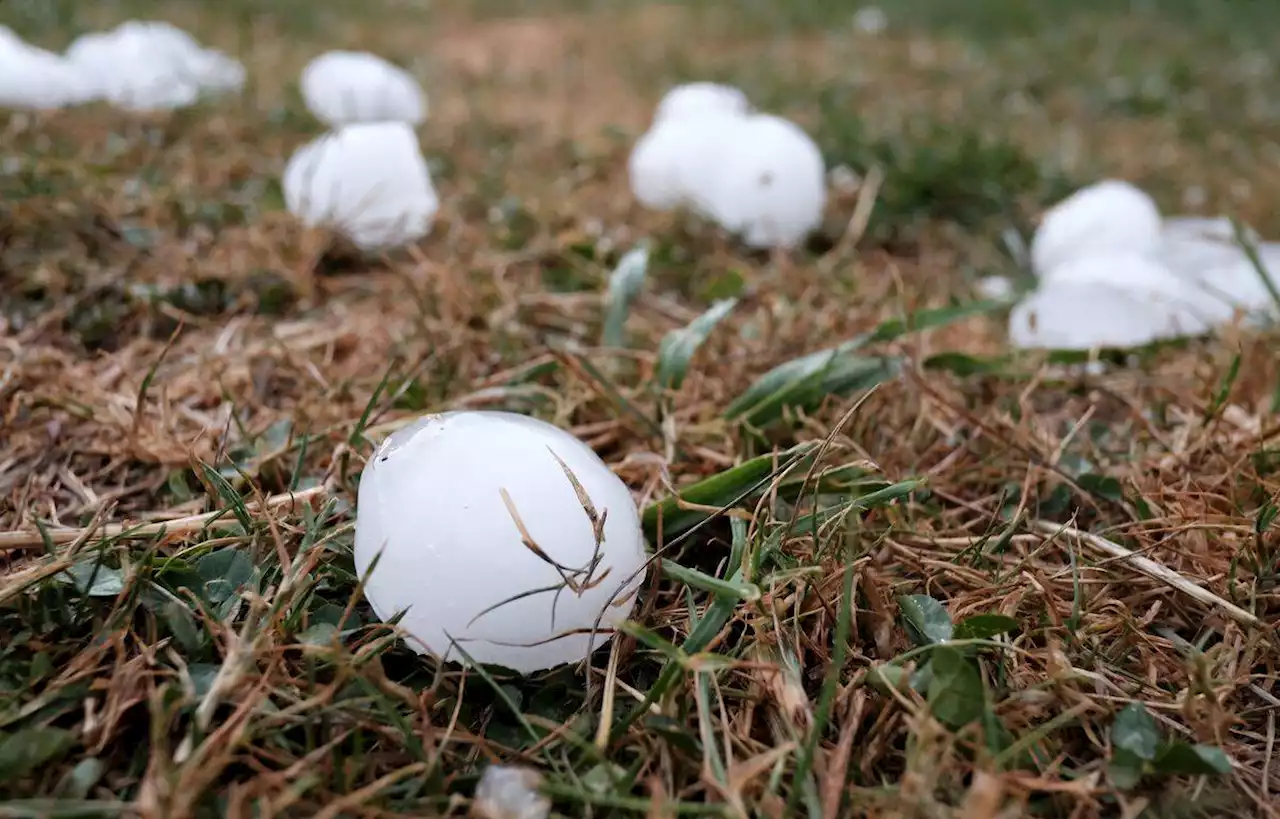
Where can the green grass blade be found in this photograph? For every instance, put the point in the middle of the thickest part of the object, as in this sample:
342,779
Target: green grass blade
679,346
625,284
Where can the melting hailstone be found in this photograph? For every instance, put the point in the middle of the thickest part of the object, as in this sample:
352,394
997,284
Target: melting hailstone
368,181
699,99
1115,300
674,164
35,79
769,183
1204,253
453,555
153,66
1110,216
341,87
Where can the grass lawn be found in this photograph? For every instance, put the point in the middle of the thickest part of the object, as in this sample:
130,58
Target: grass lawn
964,583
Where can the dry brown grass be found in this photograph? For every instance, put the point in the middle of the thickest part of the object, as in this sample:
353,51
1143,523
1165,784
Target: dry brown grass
288,363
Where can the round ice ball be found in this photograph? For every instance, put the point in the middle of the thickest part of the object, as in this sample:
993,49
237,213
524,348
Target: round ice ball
501,533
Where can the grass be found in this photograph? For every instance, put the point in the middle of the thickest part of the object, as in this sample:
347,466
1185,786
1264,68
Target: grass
958,582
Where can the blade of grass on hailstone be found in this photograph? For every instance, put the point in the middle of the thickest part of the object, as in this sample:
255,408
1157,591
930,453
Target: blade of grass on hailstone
1251,252
624,285
792,375
719,491
679,346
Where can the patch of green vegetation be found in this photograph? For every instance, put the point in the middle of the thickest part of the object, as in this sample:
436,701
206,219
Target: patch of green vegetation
938,173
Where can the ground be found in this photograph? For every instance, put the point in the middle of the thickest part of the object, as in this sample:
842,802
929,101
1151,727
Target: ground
966,584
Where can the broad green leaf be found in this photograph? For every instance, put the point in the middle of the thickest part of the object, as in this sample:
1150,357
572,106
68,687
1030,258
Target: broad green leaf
679,346
927,619
1135,731
624,285
31,748
956,694
984,626
224,572
94,579
1104,486
1184,758
1125,769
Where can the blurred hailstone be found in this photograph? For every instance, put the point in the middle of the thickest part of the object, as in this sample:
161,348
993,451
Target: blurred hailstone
368,181
769,183
36,79
1109,300
153,66
341,87
996,288
870,20
701,98
757,175
1114,273
675,163
1204,253
1110,216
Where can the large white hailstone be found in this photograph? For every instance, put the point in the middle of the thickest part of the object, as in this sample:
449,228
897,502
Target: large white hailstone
676,163
368,181
36,79
654,165
1107,217
485,540
153,66
769,183
1110,300
1204,253
701,98
341,87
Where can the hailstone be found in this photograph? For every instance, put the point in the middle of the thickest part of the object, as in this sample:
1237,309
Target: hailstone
1109,300
341,87
674,164
36,79
701,98
368,181
153,66
1204,253
1110,216
484,540
769,183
